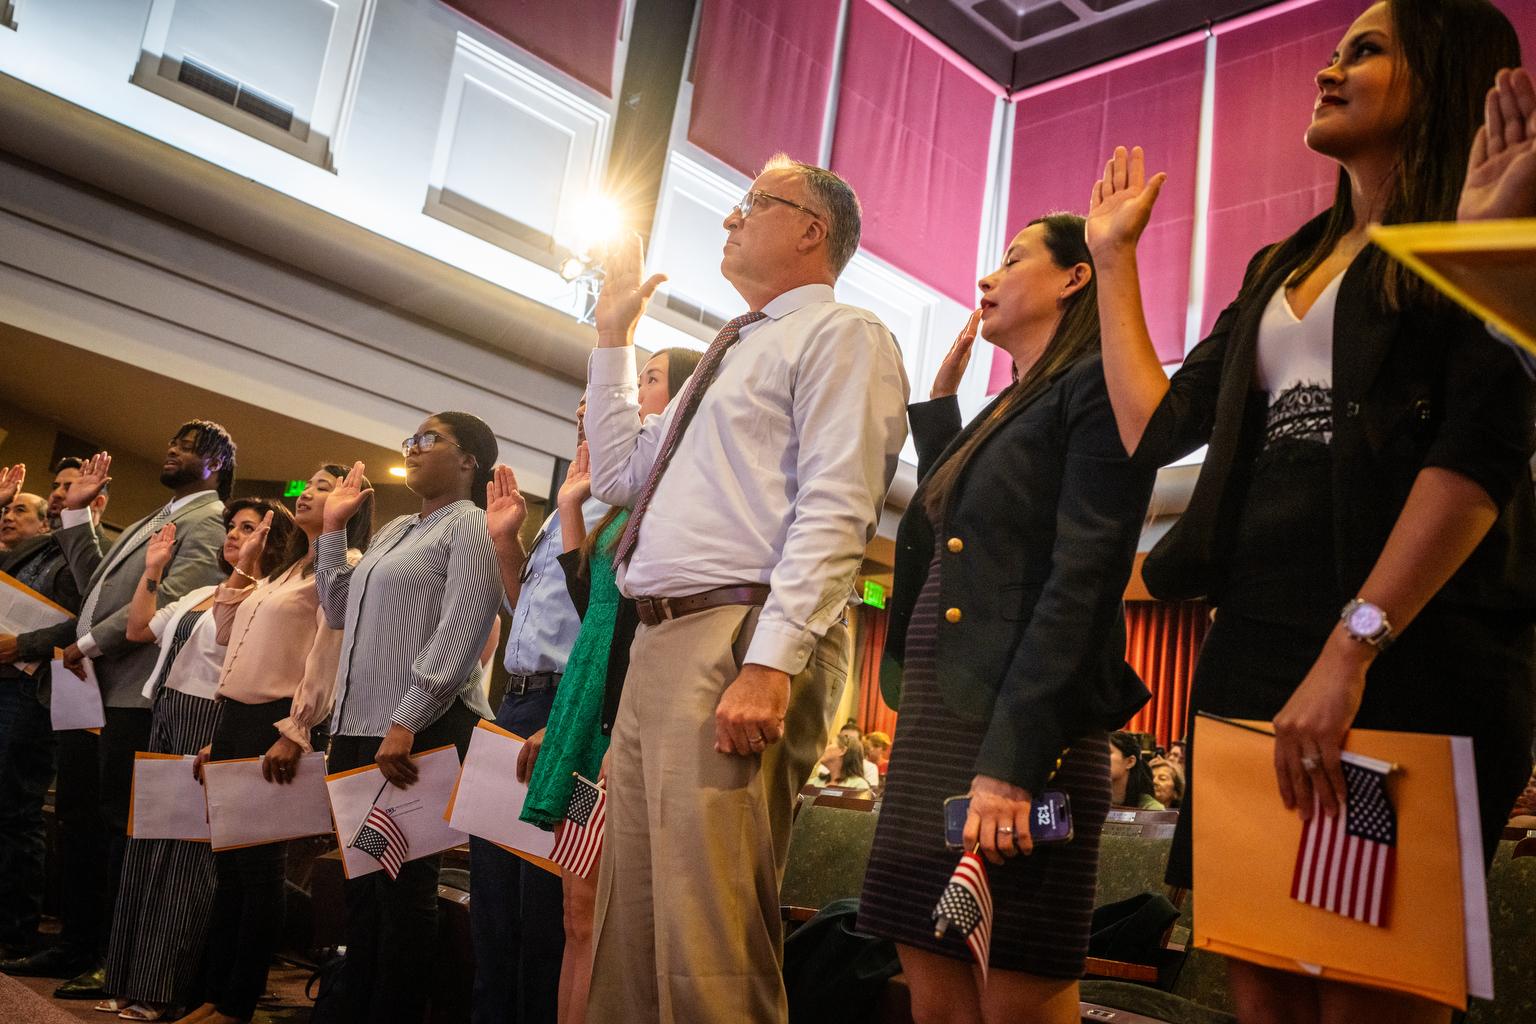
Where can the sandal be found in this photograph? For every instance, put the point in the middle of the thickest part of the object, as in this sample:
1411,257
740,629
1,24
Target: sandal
111,1006
142,1012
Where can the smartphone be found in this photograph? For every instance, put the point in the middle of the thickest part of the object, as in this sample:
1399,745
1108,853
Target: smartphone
1050,819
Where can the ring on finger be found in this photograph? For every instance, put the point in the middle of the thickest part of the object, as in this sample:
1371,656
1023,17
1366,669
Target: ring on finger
1005,830
1311,764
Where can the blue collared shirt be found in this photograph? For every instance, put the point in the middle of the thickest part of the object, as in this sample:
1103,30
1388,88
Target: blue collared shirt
545,623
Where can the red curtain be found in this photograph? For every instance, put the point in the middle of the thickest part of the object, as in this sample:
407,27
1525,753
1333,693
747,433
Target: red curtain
577,36
872,713
913,128
1162,642
762,71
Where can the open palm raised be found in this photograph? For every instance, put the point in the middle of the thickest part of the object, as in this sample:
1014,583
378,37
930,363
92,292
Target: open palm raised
345,499
11,479
624,296
505,507
1122,203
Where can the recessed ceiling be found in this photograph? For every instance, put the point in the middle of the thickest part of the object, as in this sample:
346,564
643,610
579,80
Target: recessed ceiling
1019,43
128,409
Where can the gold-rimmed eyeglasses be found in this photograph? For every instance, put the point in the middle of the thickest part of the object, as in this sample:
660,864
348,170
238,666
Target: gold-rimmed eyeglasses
750,200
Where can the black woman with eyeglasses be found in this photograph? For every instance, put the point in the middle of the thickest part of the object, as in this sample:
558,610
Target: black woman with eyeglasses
415,613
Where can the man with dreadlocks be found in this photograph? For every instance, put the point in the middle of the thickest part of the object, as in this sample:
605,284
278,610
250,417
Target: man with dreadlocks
199,470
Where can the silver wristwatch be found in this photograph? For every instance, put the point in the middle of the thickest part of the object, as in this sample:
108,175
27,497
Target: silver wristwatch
1367,623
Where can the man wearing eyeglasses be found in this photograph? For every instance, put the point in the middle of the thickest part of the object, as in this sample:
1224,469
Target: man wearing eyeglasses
515,908
753,497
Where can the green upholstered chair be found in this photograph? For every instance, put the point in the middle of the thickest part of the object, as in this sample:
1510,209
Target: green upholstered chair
828,852
1512,922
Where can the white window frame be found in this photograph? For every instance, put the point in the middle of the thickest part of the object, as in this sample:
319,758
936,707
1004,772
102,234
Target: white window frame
316,141
588,125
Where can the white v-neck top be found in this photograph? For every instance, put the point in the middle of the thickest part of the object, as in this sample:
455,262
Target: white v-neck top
1295,367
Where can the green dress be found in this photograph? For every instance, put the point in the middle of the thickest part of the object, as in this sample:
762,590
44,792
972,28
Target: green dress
573,739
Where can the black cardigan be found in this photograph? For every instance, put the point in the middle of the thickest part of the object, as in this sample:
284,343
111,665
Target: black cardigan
1423,387
1039,539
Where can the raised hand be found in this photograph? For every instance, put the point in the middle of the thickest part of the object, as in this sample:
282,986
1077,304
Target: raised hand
254,546
346,498
578,480
158,553
1122,203
947,381
505,506
94,476
623,298
1501,174
11,479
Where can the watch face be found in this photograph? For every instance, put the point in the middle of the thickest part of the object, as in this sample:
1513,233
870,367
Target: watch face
1365,620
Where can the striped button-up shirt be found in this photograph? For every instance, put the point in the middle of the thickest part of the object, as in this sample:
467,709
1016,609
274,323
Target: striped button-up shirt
416,611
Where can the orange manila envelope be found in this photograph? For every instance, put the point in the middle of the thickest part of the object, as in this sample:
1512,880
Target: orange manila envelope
1245,844
518,793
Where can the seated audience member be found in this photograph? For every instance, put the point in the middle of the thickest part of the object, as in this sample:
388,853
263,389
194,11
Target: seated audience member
878,746
1130,777
869,771
1501,174
842,766
27,740
1523,815
22,518
1175,756
154,957
1167,782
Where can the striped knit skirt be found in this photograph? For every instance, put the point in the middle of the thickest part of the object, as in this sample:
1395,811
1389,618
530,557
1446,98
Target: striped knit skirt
1044,902
163,905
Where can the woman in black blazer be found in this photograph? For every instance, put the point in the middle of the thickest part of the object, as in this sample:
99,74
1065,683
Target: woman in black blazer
1364,525
1006,646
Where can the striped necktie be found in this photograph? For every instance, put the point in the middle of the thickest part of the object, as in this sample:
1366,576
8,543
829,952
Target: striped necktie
693,394
88,612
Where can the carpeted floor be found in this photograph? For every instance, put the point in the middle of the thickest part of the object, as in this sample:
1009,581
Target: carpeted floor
28,1001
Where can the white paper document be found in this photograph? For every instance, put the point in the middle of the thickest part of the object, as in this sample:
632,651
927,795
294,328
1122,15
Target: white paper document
245,809
418,811
75,702
168,802
24,610
490,798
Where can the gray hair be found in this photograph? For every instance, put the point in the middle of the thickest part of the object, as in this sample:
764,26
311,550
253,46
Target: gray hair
844,217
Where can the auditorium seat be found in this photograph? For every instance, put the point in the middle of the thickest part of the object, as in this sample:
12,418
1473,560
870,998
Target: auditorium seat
1512,922
829,847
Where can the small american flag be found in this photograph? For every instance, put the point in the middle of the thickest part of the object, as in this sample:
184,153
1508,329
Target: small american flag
966,906
380,838
581,840
1345,863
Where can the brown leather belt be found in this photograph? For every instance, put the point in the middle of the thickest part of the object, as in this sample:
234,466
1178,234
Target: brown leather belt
654,610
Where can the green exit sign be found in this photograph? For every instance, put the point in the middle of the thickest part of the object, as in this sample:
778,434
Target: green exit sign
874,594
295,488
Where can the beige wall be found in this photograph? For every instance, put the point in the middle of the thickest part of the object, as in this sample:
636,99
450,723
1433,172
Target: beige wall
136,489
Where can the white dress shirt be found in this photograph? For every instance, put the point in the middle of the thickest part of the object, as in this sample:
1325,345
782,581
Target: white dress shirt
79,517
781,475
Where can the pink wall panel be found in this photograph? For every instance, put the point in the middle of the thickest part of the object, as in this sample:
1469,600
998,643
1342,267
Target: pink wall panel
577,36
761,76
913,130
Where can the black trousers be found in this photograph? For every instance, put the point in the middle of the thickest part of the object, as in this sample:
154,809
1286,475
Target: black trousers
26,768
391,928
247,922
85,909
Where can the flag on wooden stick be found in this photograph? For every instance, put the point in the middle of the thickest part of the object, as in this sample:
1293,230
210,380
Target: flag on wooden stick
1345,864
380,838
581,838
966,906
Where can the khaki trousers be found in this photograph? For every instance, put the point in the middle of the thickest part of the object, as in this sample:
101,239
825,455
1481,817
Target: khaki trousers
687,926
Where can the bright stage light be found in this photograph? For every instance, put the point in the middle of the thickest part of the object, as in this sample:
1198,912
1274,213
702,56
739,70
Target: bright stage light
397,471
599,221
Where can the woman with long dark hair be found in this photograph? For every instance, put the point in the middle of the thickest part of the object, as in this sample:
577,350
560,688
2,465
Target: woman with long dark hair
576,738
1130,776
278,678
1363,520
415,612
166,894
1006,643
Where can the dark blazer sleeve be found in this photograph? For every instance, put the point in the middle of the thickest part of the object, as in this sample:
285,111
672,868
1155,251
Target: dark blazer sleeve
935,424
1040,706
39,644
1184,419
578,582
1487,429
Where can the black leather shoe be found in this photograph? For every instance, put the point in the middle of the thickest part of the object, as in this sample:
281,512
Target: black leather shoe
86,986
53,962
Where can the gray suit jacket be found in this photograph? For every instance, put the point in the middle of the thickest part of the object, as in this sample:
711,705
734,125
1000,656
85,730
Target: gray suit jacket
124,665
